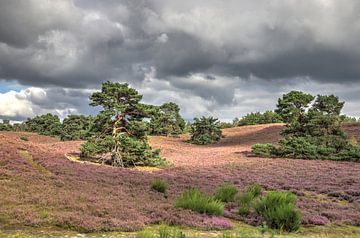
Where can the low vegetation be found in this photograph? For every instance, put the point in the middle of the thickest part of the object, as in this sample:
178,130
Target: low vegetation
159,185
279,211
226,193
197,201
24,138
205,130
246,199
276,209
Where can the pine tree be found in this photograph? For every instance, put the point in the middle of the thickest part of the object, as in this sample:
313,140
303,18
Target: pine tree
119,132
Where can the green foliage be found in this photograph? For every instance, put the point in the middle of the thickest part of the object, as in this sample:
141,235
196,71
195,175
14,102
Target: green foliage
48,125
159,185
313,129
76,127
119,129
196,201
254,189
258,118
24,138
247,198
292,106
345,118
266,150
167,120
279,211
226,193
205,130
224,125
163,231
6,126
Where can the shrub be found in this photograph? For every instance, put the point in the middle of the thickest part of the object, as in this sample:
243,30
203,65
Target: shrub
196,201
159,185
24,138
246,199
279,211
166,232
254,189
266,150
205,130
226,193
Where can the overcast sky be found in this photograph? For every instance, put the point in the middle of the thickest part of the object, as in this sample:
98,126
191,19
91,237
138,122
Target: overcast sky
213,57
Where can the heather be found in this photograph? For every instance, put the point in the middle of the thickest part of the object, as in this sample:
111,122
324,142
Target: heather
47,189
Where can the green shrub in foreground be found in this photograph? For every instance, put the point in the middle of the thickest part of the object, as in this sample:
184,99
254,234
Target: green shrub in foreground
196,201
265,150
24,138
163,231
247,198
279,211
159,185
226,193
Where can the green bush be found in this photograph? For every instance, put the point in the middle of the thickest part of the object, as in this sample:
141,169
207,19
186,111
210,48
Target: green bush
279,211
159,185
266,150
205,130
226,193
163,231
166,232
24,138
196,201
247,198
254,189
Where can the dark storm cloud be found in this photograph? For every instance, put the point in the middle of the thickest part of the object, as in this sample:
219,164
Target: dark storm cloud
207,50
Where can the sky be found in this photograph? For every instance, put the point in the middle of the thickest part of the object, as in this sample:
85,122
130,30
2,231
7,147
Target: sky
223,58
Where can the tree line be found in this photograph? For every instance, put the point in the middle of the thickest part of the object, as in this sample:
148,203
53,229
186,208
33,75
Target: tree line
117,135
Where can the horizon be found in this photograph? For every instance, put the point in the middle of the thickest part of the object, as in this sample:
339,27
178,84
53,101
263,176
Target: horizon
221,59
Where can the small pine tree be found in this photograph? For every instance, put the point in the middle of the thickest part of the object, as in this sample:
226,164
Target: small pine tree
205,130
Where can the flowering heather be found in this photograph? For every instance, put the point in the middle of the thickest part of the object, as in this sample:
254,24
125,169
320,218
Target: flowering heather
91,197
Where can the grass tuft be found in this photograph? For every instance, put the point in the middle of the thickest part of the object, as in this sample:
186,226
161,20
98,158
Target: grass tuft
159,185
196,201
226,193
